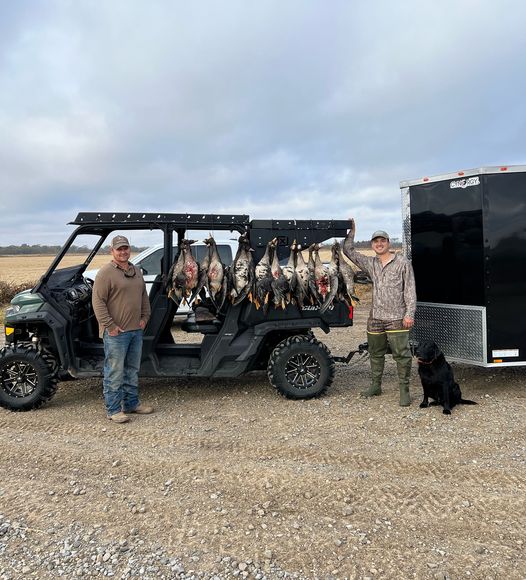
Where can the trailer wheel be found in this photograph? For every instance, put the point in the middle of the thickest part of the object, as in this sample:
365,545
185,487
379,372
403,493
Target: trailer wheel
301,367
28,377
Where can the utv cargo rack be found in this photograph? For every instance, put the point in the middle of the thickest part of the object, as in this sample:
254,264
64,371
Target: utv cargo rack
260,231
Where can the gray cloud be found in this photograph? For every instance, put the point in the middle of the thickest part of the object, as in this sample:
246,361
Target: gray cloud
283,110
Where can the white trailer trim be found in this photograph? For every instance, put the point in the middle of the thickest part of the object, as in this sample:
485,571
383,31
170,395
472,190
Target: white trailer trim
464,173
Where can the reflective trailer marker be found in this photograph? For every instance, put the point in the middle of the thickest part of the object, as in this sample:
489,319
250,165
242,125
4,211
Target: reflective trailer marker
9,330
505,353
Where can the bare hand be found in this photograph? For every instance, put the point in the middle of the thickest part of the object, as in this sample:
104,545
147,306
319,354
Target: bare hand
408,322
116,331
142,324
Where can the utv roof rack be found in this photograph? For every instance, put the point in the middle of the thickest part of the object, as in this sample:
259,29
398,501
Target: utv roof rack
177,219
189,219
335,225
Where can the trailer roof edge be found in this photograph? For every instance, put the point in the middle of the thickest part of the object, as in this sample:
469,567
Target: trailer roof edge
464,173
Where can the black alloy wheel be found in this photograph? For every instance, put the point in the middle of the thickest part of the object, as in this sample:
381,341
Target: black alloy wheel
301,367
302,370
28,377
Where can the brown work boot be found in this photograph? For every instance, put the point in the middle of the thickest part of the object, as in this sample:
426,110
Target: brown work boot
119,417
141,409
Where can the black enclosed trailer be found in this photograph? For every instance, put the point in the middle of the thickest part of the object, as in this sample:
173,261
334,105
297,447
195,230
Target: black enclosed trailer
465,234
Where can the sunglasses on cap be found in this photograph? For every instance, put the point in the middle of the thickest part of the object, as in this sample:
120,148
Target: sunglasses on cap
131,273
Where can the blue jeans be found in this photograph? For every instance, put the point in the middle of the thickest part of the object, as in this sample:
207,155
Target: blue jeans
122,359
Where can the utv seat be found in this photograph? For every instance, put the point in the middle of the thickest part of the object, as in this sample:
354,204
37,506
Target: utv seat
211,326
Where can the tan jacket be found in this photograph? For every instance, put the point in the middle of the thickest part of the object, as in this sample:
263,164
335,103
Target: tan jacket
120,300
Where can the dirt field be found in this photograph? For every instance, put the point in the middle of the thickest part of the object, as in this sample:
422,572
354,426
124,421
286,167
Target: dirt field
227,479
18,269
26,268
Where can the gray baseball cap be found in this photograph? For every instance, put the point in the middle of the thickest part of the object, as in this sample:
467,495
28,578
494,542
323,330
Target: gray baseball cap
119,241
380,234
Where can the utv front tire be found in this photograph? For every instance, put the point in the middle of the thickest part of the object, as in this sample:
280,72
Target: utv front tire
28,377
301,367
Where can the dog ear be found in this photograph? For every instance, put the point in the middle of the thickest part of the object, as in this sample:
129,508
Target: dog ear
437,350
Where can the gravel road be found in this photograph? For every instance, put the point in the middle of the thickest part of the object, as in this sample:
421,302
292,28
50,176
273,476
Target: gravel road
228,479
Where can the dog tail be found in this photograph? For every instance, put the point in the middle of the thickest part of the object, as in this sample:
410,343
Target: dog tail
467,402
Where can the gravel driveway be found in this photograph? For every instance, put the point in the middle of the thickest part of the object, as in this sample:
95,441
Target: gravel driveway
227,479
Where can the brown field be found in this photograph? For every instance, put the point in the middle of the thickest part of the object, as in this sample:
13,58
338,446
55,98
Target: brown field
29,268
18,269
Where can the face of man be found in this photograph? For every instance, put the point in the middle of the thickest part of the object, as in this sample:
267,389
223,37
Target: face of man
380,246
121,256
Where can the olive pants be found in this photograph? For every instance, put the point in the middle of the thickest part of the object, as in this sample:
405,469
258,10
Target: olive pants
398,342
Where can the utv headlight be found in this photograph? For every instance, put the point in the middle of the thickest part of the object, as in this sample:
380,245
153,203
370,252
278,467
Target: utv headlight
15,309
12,310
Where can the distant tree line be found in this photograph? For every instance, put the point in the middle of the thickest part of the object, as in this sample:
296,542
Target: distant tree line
33,249
26,249
395,243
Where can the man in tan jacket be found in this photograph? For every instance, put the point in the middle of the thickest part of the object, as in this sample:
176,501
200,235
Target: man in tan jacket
122,308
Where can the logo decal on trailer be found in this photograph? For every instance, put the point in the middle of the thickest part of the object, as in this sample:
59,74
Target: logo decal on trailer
463,183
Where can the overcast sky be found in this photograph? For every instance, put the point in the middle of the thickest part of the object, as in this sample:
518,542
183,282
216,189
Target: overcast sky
276,108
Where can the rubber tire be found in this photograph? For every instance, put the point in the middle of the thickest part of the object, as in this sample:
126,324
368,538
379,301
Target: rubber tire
41,364
285,353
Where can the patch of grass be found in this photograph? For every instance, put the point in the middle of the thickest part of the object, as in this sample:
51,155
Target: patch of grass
9,289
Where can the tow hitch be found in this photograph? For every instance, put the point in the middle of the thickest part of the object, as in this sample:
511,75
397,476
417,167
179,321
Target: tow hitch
362,351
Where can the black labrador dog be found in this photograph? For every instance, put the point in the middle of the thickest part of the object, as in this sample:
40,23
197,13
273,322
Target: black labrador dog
437,378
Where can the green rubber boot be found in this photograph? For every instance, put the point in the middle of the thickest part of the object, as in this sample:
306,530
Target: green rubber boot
377,349
399,343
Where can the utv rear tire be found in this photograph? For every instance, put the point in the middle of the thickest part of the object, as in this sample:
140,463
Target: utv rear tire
28,377
301,367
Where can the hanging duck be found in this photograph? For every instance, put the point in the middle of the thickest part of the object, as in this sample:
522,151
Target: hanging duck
321,277
215,274
263,277
242,272
280,286
202,283
302,278
183,275
333,274
345,279
341,280
289,271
